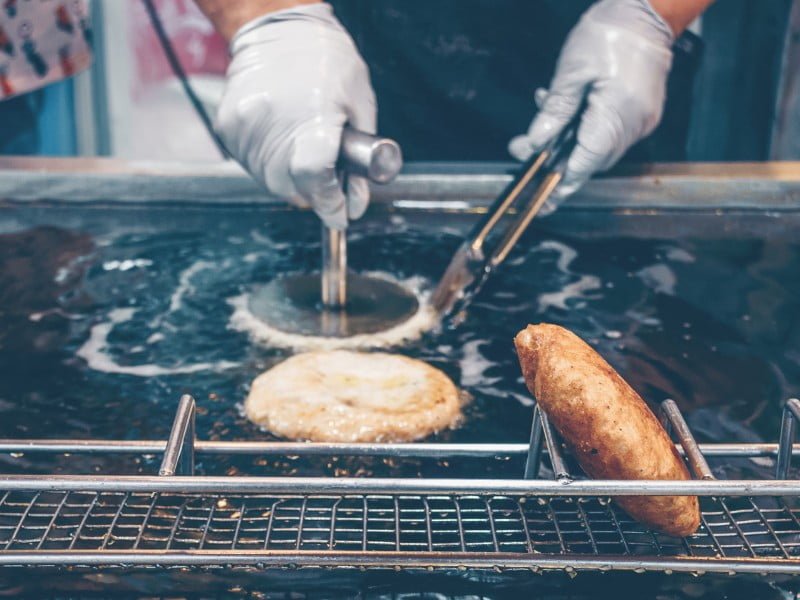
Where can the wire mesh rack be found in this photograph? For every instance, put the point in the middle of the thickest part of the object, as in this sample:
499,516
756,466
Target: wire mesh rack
180,519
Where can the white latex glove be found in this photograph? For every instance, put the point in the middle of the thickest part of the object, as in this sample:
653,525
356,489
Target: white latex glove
617,57
295,79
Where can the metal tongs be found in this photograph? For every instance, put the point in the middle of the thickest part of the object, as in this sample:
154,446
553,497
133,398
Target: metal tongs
473,263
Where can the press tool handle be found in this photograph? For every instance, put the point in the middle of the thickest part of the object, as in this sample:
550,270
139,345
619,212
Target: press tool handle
379,159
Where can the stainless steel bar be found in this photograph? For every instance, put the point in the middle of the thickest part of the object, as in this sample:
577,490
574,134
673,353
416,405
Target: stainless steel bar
589,532
428,525
83,446
790,513
398,528
665,422
268,448
365,523
334,268
556,527
377,158
776,538
533,461
737,527
298,542
793,404
433,450
521,224
271,523
175,523
186,461
497,212
560,471
140,534
55,517
686,545
111,526
408,560
467,268
22,518
239,521
332,529
787,435
525,527
206,528
656,544
697,461
492,526
759,186
179,451
390,486
617,527
87,513
718,549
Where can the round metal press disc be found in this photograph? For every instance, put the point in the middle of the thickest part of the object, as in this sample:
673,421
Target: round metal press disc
293,304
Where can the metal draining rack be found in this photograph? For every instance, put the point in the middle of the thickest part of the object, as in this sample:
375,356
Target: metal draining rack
179,519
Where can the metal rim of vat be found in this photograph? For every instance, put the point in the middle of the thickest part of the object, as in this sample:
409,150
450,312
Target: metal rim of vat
459,187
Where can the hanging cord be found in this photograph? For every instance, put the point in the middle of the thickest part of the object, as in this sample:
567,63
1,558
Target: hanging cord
177,69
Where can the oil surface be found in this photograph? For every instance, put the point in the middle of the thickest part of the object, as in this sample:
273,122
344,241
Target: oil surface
108,315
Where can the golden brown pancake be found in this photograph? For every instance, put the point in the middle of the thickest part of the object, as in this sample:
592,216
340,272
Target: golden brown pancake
343,396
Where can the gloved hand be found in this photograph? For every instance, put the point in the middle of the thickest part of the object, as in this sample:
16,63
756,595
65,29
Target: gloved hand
617,57
295,79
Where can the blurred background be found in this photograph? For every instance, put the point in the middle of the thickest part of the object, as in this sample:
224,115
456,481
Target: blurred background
734,93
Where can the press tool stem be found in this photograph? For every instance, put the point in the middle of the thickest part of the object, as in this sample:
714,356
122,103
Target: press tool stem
379,160
334,268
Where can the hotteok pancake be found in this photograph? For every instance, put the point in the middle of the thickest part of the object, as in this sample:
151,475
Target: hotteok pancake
343,396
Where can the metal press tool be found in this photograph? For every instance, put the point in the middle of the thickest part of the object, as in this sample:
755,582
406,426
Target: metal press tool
337,303
379,160
473,262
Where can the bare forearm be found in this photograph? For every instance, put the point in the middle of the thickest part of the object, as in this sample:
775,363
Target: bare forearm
228,16
679,13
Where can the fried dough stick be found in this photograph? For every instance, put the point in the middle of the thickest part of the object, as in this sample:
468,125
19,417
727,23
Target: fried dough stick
605,423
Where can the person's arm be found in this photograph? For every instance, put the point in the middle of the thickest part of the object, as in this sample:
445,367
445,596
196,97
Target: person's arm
295,79
615,63
679,13
228,16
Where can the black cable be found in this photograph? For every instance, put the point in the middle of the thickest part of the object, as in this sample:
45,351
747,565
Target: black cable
177,69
